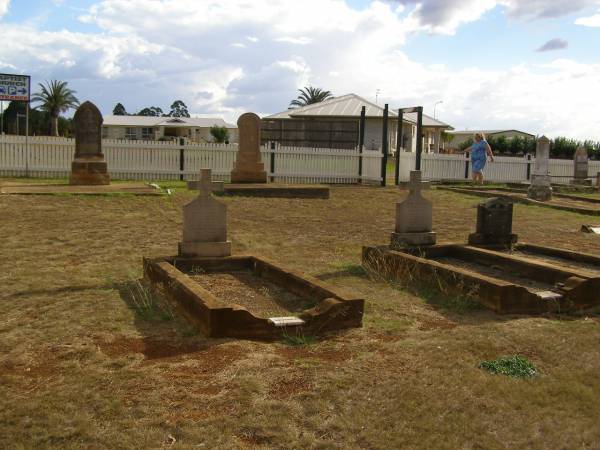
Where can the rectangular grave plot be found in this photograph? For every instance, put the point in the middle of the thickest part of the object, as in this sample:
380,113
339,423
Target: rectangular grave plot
504,283
250,297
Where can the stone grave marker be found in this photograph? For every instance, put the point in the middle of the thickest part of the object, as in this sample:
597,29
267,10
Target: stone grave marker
414,217
540,188
88,166
494,224
248,167
205,222
580,162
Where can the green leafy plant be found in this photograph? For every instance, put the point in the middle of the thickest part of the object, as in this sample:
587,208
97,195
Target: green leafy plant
298,339
310,95
219,133
512,366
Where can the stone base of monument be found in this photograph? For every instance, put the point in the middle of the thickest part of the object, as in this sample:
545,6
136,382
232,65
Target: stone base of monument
259,175
504,282
204,249
539,193
89,172
402,240
250,297
490,240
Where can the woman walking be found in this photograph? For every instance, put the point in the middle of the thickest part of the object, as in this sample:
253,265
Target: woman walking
480,150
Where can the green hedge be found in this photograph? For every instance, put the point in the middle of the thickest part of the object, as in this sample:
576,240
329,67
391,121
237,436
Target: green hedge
560,147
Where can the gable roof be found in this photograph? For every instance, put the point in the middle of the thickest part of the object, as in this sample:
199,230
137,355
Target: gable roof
488,132
350,105
153,121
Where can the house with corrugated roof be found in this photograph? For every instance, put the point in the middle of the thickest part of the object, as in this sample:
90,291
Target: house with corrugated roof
151,128
334,123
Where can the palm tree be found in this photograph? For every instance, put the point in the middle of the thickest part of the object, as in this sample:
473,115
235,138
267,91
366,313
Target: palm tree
55,98
310,95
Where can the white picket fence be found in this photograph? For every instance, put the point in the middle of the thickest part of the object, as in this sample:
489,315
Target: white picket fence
437,167
49,157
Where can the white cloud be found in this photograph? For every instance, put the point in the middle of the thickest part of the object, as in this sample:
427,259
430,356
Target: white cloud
4,4
590,21
225,58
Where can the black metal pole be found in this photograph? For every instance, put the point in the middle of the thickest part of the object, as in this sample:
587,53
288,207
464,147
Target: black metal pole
384,145
399,137
528,166
466,165
419,137
361,140
181,159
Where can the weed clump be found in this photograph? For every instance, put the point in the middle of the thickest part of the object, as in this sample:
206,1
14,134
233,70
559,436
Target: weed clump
512,366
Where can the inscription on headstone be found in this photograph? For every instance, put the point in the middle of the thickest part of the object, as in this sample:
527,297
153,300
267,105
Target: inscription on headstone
580,162
540,188
248,167
494,224
414,217
88,167
205,222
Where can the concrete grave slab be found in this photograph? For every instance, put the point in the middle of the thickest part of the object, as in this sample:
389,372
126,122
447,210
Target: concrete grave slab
329,308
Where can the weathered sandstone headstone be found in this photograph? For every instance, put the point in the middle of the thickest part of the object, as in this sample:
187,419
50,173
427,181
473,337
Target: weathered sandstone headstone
580,163
494,224
414,217
540,188
205,222
88,166
248,167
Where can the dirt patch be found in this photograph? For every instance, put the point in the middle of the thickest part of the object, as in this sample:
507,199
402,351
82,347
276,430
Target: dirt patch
290,385
44,369
259,296
328,355
434,323
213,357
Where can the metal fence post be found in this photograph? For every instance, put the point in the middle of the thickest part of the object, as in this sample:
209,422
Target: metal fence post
361,141
528,158
384,146
181,159
466,165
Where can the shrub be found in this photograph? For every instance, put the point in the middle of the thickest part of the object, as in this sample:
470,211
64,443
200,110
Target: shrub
220,134
512,366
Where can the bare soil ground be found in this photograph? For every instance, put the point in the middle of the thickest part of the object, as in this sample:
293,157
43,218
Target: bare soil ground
259,296
89,358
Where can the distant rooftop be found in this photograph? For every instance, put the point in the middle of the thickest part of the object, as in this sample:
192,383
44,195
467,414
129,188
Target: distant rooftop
350,105
488,132
152,121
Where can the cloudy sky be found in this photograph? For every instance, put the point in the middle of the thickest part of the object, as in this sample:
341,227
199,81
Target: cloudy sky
527,64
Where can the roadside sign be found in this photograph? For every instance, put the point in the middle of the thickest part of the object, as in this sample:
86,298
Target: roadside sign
15,87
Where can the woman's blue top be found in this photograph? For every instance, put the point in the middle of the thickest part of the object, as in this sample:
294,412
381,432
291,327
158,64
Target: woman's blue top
478,155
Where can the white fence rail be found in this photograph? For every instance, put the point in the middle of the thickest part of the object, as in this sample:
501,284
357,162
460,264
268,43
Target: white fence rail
49,157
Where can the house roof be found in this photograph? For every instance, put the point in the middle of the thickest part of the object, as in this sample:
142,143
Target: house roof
152,121
487,132
350,105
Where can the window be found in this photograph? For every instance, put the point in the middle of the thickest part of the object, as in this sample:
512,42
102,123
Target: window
130,133
147,133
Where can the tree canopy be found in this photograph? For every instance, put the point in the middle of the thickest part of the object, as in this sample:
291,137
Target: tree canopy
119,110
179,109
154,111
220,134
55,98
310,95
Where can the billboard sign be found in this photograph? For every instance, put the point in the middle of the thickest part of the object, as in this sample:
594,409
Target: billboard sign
15,87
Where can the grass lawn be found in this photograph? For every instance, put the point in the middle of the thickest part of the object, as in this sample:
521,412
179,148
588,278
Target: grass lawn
88,360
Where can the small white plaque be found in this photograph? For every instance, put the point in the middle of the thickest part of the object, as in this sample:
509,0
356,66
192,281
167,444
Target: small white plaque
286,321
549,295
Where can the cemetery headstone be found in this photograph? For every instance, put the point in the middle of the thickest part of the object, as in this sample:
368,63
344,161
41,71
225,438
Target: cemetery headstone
205,222
248,167
540,188
88,166
580,162
494,224
414,217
